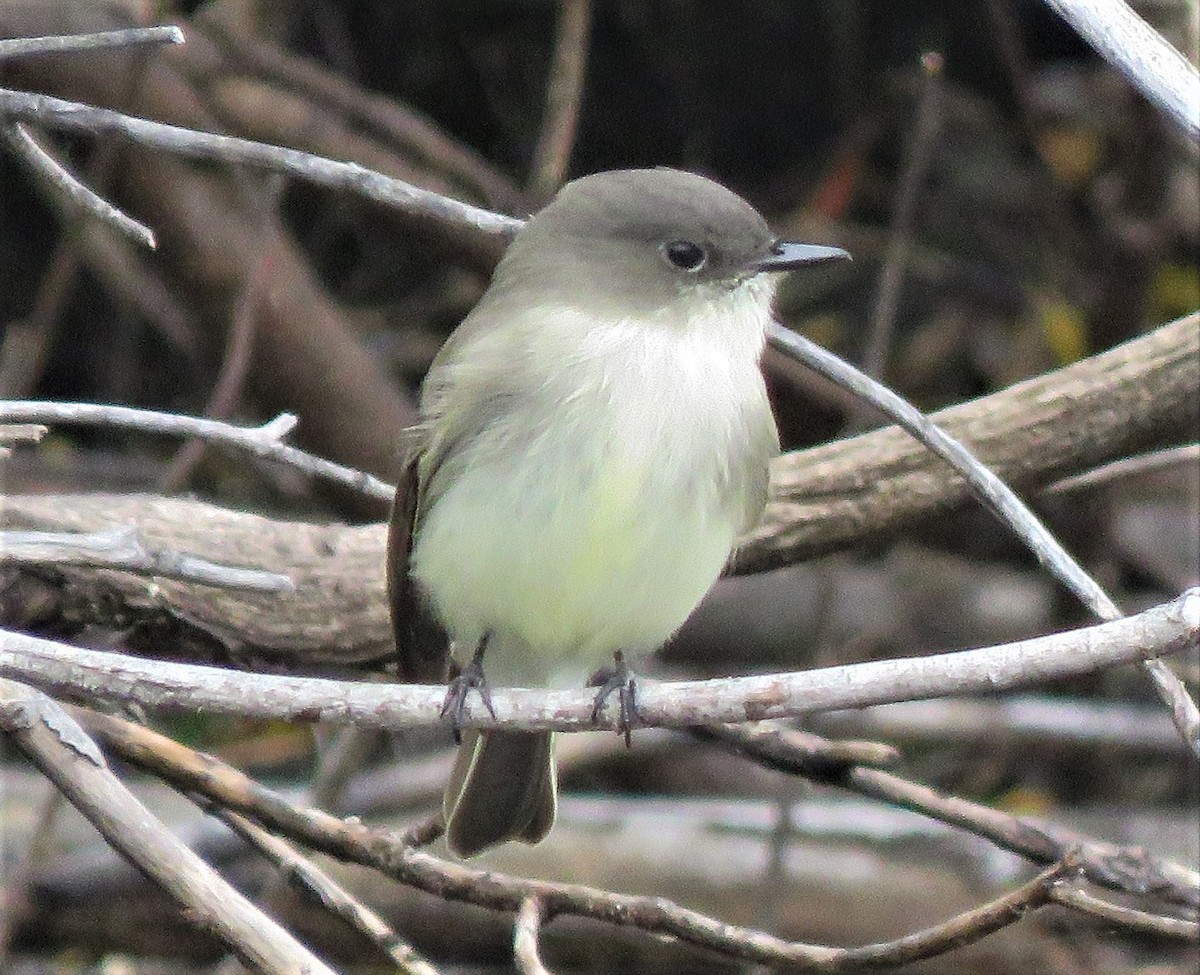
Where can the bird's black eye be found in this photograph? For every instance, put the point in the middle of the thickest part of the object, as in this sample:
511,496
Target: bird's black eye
685,255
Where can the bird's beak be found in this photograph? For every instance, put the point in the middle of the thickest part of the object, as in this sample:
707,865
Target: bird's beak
788,255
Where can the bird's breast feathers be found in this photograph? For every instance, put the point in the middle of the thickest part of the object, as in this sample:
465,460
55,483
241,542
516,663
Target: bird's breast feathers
595,511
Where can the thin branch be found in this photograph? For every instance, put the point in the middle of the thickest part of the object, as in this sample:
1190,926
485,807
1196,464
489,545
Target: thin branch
397,123
20,47
191,771
70,759
313,882
780,746
530,917
1184,711
235,366
97,675
1000,499
125,550
113,256
70,116
383,850
1155,460
411,199
73,194
264,441
1096,410
993,492
19,877
1132,871
1126,917
564,92
964,929
1140,53
13,433
917,156
1050,720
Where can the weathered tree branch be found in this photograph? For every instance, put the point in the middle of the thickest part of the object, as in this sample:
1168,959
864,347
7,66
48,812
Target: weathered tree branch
70,759
388,852
1140,53
21,47
1133,871
68,116
824,498
1059,423
122,549
95,675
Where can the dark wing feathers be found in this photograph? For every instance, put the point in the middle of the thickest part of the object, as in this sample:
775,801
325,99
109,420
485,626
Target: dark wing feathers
422,647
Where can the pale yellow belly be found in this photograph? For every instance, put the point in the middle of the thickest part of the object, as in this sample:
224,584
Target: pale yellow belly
563,578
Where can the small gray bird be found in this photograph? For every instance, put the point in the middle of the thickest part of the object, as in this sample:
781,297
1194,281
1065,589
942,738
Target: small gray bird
593,439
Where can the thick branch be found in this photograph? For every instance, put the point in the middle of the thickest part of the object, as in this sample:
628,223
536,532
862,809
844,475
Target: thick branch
825,498
1059,423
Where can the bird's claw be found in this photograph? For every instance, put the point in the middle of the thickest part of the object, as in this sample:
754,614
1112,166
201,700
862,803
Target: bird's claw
622,682
471,677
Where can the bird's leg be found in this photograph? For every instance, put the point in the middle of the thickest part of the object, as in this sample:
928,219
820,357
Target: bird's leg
471,676
622,681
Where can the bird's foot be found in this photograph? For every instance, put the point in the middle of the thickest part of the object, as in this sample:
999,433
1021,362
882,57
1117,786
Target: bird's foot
621,681
471,677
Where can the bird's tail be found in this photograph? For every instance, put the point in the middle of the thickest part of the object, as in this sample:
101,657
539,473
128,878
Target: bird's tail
502,788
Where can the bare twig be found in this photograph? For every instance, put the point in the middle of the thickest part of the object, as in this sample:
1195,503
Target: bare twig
781,746
264,441
111,254
564,92
1133,871
1184,711
1155,460
97,675
1140,53
1056,721
989,488
70,116
964,929
15,903
916,163
235,366
1129,870
57,180
826,497
397,123
11,433
125,550
525,938
70,759
19,47
383,850
313,882
1126,917
998,497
